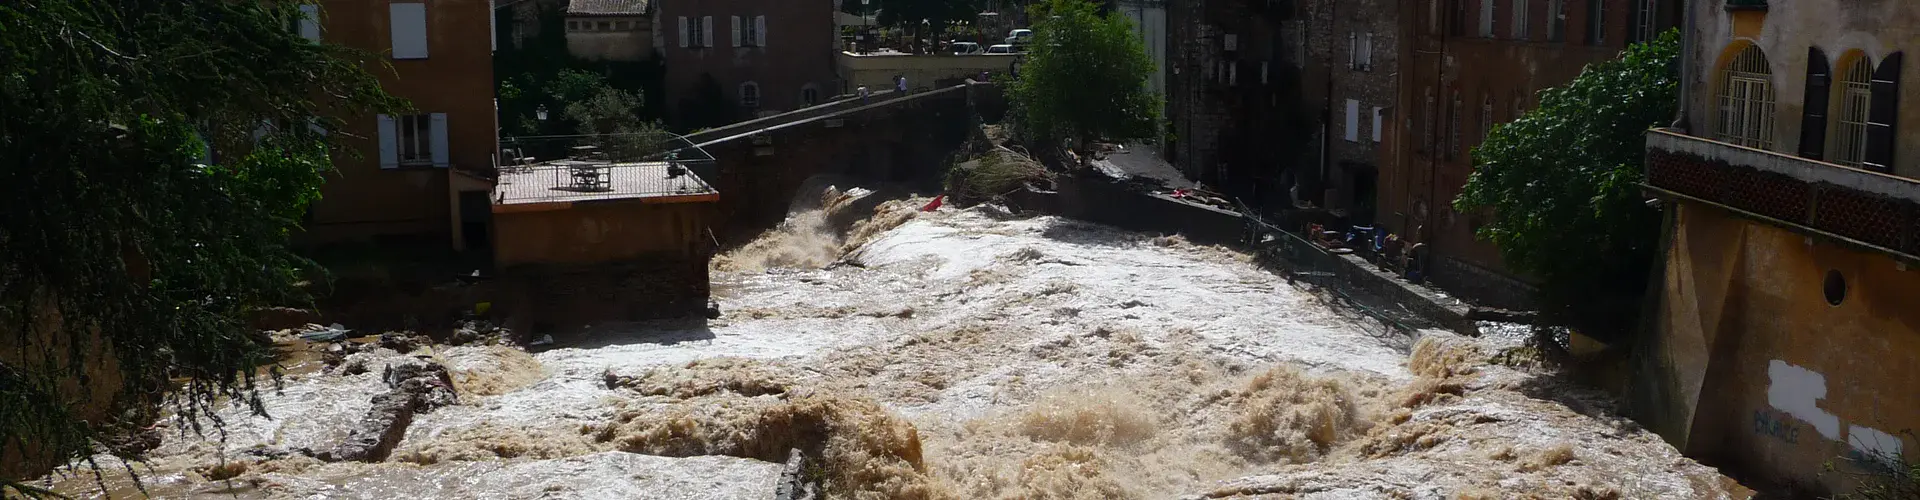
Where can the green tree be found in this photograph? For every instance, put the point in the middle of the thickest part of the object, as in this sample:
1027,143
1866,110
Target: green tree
612,116
124,236
1563,187
1085,78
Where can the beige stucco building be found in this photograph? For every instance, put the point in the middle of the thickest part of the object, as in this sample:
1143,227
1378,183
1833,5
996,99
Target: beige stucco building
610,30
1787,333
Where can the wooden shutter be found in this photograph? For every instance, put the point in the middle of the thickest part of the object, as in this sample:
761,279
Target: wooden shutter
389,142
706,31
683,32
1813,121
1883,115
438,131
736,31
759,31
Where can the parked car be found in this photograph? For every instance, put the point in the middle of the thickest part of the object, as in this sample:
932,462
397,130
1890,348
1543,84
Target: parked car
965,48
1000,49
1019,36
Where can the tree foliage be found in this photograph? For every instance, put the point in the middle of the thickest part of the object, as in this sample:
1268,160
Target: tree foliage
120,231
613,117
539,71
1085,77
1563,185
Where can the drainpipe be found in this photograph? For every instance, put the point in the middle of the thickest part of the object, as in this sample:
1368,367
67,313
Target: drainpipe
1682,121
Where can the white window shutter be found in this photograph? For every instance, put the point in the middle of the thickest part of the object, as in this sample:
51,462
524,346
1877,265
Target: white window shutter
1376,124
1233,73
706,31
206,150
736,31
265,127
408,23
493,34
313,123
759,31
1353,50
389,148
310,22
1263,72
1353,120
1366,51
683,32
438,130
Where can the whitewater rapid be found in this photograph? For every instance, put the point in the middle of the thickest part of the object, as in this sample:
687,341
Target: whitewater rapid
962,354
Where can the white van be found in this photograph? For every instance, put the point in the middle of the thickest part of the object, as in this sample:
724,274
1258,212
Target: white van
1000,49
1019,36
966,48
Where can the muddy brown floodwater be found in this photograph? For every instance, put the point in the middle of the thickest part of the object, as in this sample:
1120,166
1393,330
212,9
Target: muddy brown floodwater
963,354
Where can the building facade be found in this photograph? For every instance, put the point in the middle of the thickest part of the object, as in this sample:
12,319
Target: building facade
1466,66
1354,62
755,57
610,30
400,180
1233,90
1786,338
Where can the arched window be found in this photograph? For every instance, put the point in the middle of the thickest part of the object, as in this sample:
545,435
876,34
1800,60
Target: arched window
809,95
1746,100
1855,94
750,95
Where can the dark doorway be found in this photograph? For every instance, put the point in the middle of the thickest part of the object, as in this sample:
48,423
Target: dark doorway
1366,195
476,220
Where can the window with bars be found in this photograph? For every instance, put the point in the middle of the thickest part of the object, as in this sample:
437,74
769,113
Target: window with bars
1486,118
750,95
1855,93
1645,19
1746,101
1519,28
1457,20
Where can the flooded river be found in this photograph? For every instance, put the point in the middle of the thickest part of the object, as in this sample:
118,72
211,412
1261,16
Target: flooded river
960,354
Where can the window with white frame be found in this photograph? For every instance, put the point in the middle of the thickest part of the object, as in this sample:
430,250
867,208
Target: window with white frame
696,32
1556,20
1519,28
1645,18
1596,22
1850,130
750,95
407,23
750,31
1746,100
413,140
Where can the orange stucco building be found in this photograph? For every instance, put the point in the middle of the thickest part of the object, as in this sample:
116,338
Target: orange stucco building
1787,330
406,172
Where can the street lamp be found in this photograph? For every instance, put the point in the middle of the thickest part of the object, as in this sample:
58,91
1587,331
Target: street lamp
540,112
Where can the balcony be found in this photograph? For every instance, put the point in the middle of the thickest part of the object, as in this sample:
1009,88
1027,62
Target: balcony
1759,5
1869,209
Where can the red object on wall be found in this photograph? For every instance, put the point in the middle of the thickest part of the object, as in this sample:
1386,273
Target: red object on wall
935,204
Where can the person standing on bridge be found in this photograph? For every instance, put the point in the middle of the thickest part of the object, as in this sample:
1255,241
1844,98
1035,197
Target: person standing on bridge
863,93
900,83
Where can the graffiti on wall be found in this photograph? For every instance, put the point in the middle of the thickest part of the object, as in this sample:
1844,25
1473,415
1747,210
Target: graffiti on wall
1777,425
1794,393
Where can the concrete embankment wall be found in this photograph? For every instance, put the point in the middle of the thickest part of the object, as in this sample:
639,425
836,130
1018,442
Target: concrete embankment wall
1102,200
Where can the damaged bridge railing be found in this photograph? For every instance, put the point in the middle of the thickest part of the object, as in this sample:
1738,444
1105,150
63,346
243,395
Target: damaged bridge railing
1302,261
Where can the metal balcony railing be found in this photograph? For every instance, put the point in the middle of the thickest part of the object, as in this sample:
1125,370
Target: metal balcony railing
600,167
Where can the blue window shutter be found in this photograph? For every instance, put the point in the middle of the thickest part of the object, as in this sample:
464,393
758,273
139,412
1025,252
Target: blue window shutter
389,151
439,132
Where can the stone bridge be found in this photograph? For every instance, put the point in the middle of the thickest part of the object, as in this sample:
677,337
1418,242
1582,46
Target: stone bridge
904,138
